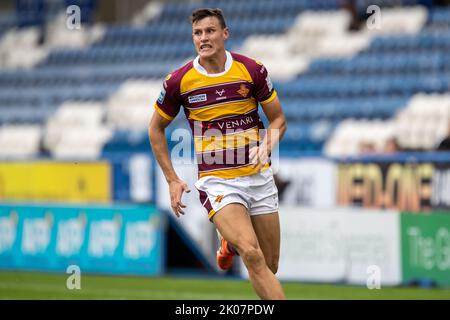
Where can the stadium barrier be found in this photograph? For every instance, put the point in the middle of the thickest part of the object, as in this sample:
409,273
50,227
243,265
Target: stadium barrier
396,183
118,177
425,245
339,244
345,245
98,239
55,181
132,176
309,181
407,182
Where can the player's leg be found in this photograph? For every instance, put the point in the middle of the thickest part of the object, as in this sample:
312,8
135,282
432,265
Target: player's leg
235,226
267,230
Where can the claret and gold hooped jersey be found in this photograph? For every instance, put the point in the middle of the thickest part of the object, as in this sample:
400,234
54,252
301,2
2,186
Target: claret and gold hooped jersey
222,110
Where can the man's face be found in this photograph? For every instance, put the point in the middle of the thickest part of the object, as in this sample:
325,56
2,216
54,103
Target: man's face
209,37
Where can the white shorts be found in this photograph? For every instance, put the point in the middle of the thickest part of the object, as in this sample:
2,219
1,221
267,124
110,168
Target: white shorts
257,192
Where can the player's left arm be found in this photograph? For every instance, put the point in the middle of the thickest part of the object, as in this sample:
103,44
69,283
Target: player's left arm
277,127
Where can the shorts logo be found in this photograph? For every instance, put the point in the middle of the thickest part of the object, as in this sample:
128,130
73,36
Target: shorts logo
162,95
197,98
219,198
243,90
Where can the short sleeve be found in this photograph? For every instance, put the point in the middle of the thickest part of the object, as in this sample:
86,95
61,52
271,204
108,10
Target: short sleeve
168,104
264,90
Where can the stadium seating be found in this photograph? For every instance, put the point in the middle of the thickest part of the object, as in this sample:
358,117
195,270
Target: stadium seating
424,122
129,107
322,84
76,131
20,141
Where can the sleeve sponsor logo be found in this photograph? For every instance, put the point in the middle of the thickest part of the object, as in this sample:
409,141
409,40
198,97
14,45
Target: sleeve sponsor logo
162,95
197,98
269,83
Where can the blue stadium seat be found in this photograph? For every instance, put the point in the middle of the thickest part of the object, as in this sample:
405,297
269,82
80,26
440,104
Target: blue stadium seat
375,83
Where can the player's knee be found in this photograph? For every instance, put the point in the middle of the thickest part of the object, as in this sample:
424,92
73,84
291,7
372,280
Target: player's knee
253,258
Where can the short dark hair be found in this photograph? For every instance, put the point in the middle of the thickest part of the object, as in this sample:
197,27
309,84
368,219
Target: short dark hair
203,13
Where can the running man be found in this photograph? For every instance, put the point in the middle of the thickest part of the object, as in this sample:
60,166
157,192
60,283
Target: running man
220,92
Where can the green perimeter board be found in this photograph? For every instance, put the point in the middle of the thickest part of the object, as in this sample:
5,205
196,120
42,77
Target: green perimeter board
425,245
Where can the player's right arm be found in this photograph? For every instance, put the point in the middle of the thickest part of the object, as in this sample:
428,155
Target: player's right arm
166,109
156,132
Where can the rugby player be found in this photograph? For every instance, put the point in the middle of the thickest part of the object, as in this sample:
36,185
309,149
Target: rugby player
220,92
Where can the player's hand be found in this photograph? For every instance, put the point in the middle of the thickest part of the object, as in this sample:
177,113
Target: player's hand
258,157
176,189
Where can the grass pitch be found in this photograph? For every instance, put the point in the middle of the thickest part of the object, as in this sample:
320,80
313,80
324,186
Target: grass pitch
30,285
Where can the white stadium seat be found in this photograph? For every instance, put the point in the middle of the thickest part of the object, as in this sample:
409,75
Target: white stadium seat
19,141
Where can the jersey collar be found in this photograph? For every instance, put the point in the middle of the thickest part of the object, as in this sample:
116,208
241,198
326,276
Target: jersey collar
202,70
